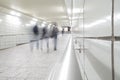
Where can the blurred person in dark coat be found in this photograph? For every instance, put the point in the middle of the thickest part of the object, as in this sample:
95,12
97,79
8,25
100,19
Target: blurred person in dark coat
45,36
55,35
36,36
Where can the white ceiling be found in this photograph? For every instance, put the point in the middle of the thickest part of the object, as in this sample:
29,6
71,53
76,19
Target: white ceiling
49,10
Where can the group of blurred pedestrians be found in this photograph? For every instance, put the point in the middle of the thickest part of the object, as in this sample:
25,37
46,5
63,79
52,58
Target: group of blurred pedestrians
44,34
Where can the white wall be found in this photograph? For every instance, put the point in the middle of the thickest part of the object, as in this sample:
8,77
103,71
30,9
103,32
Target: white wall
97,58
13,33
98,53
96,19
117,43
117,60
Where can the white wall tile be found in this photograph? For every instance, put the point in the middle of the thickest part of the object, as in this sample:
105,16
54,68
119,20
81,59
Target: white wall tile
96,14
14,34
98,57
117,60
117,18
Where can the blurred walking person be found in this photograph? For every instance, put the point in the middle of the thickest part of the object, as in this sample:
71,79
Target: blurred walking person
54,35
36,37
45,36
62,31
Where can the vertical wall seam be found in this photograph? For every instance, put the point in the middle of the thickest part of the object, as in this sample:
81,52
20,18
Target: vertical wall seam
112,42
71,11
85,75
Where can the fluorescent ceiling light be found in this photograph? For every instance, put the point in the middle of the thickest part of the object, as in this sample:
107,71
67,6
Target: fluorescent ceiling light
42,25
28,25
75,11
15,13
0,20
69,11
75,18
70,18
34,19
32,22
44,22
63,17
50,24
13,20
60,9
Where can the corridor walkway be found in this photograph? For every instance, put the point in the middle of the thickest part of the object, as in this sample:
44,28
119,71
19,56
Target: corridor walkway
20,63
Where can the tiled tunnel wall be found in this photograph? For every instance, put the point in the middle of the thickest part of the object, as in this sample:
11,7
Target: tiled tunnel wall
96,60
117,43
14,31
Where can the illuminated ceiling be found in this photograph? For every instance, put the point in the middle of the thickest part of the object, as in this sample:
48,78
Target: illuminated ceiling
49,10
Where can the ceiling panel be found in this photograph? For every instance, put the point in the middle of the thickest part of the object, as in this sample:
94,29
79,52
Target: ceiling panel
52,10
77,13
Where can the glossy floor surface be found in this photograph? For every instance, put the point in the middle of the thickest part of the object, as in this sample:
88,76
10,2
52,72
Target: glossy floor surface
20,63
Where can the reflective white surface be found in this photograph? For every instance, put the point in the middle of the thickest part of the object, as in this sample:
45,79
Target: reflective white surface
117,43
50,10
117,60
20,63
67,67
14,30
95,14
98,60
117,18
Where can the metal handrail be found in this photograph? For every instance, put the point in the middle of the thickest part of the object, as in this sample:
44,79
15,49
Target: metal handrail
80,50
53,72
108,38
13,35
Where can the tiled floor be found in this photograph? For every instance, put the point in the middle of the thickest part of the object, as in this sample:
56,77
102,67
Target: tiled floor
20,63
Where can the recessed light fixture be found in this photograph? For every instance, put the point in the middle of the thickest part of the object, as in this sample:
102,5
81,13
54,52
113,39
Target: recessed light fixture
50,24
42,25
28,25
13,19
0,20
34,19
44,22
15,13
75,11
32,22
75,18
